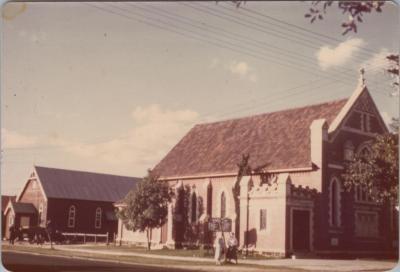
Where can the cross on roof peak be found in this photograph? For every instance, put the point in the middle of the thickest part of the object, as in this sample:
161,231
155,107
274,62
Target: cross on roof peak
362,76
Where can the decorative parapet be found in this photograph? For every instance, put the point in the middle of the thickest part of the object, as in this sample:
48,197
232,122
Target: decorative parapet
277,186
301,192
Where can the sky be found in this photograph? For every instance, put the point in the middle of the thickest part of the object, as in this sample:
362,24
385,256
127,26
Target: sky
112,87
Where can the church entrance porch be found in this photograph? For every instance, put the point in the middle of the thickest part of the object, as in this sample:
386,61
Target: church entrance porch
301,230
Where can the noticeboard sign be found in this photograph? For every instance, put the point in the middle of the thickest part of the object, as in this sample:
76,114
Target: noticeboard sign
220,224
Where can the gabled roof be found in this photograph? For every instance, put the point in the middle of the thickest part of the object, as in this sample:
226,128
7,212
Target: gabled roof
71,184
4,201
20,207
278,140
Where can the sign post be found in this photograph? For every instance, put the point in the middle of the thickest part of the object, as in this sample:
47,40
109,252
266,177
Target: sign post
220,224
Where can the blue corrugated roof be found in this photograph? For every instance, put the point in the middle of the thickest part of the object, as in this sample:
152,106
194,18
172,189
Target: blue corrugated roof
71,184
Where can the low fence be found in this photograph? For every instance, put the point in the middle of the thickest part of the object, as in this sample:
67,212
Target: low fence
88,237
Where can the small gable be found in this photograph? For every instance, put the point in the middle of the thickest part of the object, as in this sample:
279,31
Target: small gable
31,191
364,116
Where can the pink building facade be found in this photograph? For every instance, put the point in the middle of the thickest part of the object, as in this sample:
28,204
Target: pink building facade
302,206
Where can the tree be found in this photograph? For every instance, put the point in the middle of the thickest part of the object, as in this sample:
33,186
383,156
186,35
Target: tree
378,171
244,169
146,205
355,10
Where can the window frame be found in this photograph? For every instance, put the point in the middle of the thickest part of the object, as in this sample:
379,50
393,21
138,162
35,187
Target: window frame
263,220
98,218
335,199
364,228
11,219
222,209
71,216
348,151
40,213
193,208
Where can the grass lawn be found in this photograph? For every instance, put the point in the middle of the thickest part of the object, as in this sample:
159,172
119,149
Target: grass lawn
169,252
203,266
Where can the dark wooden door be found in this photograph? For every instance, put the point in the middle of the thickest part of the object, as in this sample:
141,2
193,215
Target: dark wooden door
164,233
301,230
179,224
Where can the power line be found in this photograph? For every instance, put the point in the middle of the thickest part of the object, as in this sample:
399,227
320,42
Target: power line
131,18
140,20
252,25
249,51
231,35
305,30
266,29
203,26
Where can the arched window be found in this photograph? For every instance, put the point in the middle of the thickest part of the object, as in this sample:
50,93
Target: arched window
348,152
364,150
40,213
11,220
223,205
97,220
193,210
209,199
71,216
335,199
361,192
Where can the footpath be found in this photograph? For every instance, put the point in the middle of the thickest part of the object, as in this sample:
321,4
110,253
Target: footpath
304,264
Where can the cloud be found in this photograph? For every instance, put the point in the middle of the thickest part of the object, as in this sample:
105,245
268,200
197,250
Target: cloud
156,131
243,70
240,68
153,133
377,62
237,68
13,139
331,57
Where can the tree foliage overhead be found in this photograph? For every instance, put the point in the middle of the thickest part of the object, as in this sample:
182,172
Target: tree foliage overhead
377,172
355,10
146,205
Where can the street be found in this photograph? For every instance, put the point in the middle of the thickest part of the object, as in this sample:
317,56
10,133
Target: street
22,262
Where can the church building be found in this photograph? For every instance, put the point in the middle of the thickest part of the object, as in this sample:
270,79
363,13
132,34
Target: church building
294,199
73,201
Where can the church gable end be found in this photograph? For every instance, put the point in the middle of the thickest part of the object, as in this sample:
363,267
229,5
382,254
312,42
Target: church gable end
32,192
363,116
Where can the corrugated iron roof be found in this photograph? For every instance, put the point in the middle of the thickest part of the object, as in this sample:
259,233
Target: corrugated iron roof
279,140
20,207
71,184
4,201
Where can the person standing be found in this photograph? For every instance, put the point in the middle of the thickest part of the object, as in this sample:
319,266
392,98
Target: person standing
219,246
12,234
49,230
232,247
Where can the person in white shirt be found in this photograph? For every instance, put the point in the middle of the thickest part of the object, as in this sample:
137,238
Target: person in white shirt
219,246
232,248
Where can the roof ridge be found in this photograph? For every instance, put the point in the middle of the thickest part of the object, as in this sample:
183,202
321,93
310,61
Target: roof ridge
82,171
271,112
